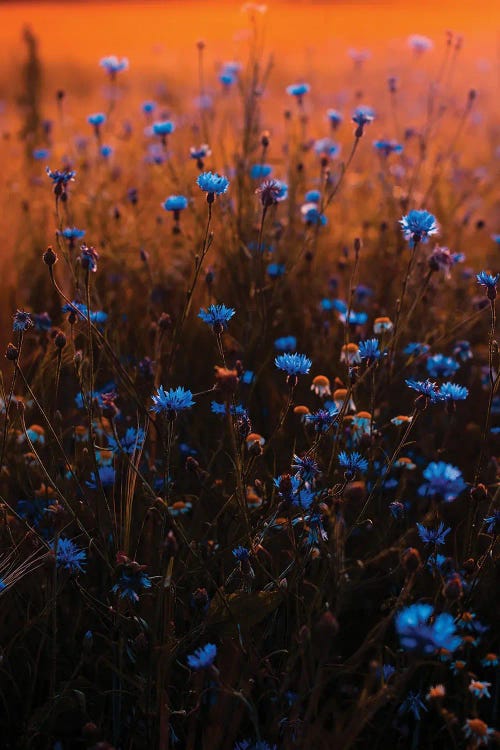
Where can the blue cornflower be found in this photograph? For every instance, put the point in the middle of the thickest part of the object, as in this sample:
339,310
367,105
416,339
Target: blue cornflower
72,233
462,350
313,196
417,632
292,489
40,153
453,392
132,441
113,65
69,556
199,153
242,554
425,388
388,147
275,270
433,536
171,402
397,510
227,78
362,116
163,127
440,366
217,316
43,321
322,419
60,177
312,215
386,671
293,364
212,183
107,476
106,151
221,410
286,344
489,282
444,480
3,585
96,316
88,258
22,321
334,117
369,350
203,657
416,349
352,462
148,107
355,318
97,119
412,704
326,147
175,203
131,582
493,523
298,90
316,532
418,226
305,467
260,171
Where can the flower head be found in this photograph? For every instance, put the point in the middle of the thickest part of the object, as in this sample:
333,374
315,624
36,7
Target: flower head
418,226
175,203
22,321
131,582
425,388
489,282
493,523
418,632
480,689
369,350
440,366
163,127
433,536
298,89
113,65
203,657
444,480
97,119
453,392
88,258
69,556
293,364
212,183
217,316
171,402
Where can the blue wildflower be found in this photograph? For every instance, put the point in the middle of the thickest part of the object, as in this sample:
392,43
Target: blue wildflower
113,65
453,392
211,183
203,657
298,90
412,704
88,258
96,316
416,349
217,316
493,523
335,117
433,536
293,364
418,633
444,480
175,203
107,476
316,531
425,388
97,119
322,419
369,350
148,107
163,127
69,556
131,582
61,177
42,321
305,467
326,147
40,153
352,462
275,270
293,490
440,366
22,321
242,554
489,282
418,226
312,215
313,196
462,350
132,441
106,151
72,233
397,510
285,344
388,147
259,171
171,402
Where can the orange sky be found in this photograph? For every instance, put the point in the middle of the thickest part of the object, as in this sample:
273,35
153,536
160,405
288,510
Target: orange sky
153,32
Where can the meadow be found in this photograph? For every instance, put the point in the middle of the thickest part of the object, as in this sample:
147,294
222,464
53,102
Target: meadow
249,407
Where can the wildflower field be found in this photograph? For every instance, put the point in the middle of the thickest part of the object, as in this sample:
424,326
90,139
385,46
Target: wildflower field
249,406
